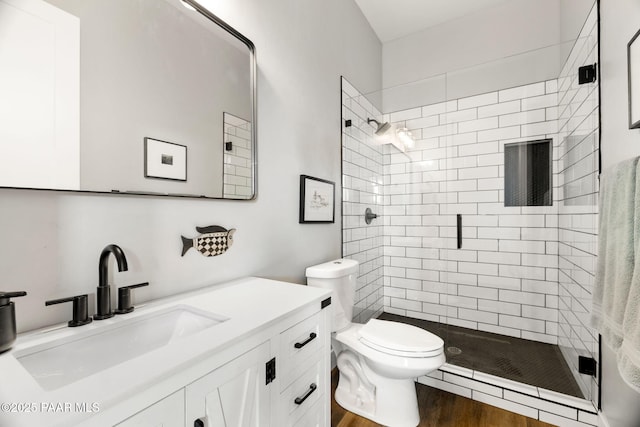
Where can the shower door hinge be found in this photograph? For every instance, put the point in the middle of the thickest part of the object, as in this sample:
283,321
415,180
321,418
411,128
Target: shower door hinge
587,365
271,370
587,74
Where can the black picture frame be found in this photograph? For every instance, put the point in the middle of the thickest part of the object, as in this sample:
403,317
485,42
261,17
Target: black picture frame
633,73
165,160
317,200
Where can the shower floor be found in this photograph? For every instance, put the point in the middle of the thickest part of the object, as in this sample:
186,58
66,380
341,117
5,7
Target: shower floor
529,362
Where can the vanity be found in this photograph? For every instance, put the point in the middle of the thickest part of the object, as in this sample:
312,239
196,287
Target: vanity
169,96
251,352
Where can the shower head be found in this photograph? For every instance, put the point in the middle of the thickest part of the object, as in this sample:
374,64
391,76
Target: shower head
382,127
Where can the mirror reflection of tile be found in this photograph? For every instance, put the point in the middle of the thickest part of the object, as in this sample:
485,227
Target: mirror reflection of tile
237,157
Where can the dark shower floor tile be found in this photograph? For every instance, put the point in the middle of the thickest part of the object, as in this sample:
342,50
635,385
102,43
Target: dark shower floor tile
529,362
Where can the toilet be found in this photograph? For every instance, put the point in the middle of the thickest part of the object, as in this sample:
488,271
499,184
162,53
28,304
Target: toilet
378,361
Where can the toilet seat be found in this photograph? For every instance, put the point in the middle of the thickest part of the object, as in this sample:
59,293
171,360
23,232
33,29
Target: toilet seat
400,339
388,362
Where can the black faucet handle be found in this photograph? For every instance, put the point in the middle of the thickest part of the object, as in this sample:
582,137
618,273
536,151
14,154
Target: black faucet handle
139,285
6,296
124,298
80,309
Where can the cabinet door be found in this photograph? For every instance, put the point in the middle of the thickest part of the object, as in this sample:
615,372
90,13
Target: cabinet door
169,412
234,395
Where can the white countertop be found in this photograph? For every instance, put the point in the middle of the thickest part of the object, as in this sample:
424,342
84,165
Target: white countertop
250,304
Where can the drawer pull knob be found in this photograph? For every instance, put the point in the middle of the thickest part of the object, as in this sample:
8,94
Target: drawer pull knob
299,400
312,336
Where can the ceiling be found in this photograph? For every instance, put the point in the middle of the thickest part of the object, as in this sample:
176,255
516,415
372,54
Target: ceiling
393,20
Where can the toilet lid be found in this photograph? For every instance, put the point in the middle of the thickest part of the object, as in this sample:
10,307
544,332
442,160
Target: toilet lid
400,339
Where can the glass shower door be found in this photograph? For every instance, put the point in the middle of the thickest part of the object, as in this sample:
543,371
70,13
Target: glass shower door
521,193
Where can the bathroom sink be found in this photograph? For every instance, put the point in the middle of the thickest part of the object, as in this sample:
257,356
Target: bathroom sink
64,361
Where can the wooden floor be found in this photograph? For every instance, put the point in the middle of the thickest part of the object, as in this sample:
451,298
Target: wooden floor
441,409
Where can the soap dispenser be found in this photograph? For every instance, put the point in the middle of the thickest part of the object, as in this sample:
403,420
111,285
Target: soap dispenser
8,319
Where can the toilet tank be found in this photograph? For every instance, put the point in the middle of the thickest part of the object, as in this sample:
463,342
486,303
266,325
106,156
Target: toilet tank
339,276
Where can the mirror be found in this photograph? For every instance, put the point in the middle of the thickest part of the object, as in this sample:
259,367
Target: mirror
123,96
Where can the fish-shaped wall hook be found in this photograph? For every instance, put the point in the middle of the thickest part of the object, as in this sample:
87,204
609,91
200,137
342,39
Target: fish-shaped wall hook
213,240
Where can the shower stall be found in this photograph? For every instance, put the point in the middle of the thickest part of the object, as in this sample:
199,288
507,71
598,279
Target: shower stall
486,227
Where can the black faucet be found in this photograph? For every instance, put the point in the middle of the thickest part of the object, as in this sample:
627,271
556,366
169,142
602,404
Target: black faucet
103,293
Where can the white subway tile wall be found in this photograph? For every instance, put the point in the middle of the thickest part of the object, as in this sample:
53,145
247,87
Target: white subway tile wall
504,279
576,193
362,187
237,161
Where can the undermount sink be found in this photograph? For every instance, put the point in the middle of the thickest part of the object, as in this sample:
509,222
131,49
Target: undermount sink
64,361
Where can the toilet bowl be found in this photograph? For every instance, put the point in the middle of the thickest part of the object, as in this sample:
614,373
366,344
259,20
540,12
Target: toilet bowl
378,361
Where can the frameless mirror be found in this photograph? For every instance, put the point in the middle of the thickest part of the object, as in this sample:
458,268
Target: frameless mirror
122,96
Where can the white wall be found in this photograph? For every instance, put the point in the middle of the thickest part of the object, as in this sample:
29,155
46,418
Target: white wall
572,17
490,34
619,21
511,44
50,242
39,82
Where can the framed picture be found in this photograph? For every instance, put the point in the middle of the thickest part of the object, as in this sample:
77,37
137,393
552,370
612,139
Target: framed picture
317,200
165,160
633,64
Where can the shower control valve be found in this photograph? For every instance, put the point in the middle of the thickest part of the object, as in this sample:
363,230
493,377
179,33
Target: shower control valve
369,216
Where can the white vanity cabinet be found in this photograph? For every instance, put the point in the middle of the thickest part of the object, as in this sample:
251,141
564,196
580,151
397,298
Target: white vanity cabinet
235,394
247,353
305,352
283,379
168,412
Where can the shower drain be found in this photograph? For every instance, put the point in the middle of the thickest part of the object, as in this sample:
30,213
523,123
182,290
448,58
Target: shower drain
454,350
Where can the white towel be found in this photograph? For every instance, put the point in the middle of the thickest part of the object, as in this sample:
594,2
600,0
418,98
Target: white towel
616,293
629,353
615,250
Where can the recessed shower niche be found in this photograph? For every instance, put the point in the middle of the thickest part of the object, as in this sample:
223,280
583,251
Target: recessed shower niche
527,173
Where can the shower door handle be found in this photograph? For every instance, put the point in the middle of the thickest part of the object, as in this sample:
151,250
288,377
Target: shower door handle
459,224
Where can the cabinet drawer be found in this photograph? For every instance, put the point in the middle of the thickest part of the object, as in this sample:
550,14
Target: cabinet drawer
303,393
298,345
314,417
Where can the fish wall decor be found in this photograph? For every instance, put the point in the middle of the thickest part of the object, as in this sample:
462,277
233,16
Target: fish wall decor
213,240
